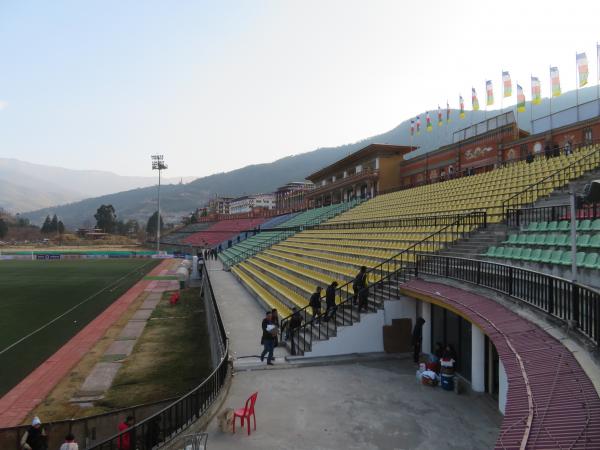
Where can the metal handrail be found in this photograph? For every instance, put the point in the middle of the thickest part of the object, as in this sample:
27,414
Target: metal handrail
577,306
511,203
171,420
393,267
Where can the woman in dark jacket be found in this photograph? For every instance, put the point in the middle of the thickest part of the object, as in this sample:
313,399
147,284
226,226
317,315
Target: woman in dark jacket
330,301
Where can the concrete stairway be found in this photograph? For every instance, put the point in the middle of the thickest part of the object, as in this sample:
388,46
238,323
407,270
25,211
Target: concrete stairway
478,242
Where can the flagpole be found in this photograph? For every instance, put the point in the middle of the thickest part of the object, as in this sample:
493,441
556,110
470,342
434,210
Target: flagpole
598,74
531,109
576,88
517,104
551,95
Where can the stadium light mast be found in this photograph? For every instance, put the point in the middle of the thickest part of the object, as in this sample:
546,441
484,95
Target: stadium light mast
158,163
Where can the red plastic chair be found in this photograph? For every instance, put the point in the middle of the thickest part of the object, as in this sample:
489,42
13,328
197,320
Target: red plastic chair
246,412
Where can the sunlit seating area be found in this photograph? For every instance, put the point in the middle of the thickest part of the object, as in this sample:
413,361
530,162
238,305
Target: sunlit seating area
486,191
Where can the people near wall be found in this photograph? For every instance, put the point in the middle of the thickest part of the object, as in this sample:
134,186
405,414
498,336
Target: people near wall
442,176
124,440
417,338
35,437
70,443
268,338
529,158
330,301
568,148
315,303
548,151
555,150
450,172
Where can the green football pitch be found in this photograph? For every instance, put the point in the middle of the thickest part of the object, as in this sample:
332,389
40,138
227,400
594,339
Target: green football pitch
45,303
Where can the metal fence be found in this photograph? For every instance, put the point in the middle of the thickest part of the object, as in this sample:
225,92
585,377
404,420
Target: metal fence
576,305
176,417
524,216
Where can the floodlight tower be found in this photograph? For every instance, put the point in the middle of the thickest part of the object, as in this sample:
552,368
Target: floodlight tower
158,163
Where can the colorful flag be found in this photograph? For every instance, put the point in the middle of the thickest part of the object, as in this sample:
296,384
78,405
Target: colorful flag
428,119
582,68
490,92
520,99
555,79
440,121
507,84
412,127
536,91
448,120
461,102
474,100
418,125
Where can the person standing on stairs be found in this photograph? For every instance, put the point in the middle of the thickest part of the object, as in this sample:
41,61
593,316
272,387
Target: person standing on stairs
360,288
315,304
330,301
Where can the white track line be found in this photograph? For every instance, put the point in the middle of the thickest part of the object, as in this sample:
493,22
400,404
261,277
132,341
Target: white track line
14,344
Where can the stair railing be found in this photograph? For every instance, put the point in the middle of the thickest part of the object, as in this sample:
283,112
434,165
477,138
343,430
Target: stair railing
589,161
386,275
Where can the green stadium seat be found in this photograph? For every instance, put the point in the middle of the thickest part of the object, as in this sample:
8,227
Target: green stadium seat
522,239
595,241
565,259
536,255
563,240
499,253
550,240
508,251
563,225
555,257
512,239
595,225
580,258
540,239
543,226
490,252
591,261
546,256
585,225
531,239
583,240
525,254
516,253
532,227
553,226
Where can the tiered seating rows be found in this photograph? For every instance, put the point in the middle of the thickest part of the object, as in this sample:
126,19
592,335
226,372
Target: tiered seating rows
222,230
485,191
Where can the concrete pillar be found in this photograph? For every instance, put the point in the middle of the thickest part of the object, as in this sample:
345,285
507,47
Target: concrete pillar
359,168
477,359
503,388
372,191
345,173
426,314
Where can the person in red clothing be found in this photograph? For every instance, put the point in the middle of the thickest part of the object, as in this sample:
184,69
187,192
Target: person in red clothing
124,440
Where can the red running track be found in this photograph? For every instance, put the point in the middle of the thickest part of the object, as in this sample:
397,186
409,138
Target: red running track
565,412
25,396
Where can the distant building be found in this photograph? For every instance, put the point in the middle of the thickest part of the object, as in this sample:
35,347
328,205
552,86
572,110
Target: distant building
218,205
292,196
362,174
249,202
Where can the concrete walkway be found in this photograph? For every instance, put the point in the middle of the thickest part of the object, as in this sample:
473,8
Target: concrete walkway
242,316
104,372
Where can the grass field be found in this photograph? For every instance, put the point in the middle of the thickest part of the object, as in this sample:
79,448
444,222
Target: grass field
33,293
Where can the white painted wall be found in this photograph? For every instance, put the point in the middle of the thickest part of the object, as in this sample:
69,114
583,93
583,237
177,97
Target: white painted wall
503,388
406,308
365,336
477,359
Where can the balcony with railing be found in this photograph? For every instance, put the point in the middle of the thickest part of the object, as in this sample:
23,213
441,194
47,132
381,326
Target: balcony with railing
364,175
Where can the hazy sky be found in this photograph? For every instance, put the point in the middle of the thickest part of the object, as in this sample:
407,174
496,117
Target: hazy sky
218,85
